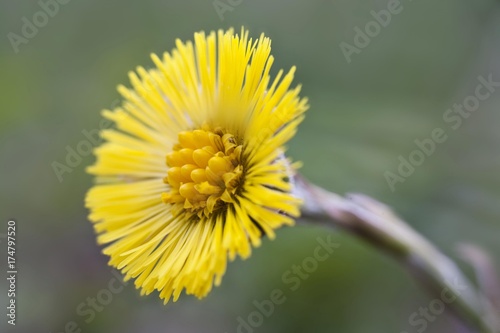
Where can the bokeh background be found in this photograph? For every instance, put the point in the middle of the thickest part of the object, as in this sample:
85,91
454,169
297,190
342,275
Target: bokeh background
363,115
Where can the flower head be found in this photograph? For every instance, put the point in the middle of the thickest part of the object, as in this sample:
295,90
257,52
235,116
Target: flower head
195,171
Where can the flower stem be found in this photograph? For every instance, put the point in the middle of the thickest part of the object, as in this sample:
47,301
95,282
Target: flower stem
376,224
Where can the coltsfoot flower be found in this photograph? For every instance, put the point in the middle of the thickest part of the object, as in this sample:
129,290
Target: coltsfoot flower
195,172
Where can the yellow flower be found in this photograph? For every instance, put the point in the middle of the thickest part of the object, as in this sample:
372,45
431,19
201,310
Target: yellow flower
195,171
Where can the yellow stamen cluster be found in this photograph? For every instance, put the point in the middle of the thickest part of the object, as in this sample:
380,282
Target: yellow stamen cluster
205,171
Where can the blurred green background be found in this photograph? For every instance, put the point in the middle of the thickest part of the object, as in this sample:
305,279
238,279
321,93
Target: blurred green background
363,115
